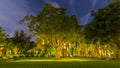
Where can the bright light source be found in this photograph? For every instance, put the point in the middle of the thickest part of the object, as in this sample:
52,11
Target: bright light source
43,42
65,47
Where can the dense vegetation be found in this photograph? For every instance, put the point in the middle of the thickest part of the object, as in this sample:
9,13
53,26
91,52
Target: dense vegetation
59,35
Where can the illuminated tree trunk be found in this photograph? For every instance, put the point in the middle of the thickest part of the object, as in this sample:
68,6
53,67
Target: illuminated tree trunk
57,55
58,52
0,52
8,52
15,50
58,43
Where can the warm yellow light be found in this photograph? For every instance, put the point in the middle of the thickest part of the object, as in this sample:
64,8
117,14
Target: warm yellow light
43,42
53,60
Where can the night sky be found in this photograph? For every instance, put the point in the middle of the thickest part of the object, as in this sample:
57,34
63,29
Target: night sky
11,11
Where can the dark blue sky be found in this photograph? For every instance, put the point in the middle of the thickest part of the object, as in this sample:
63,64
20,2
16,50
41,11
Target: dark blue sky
11,11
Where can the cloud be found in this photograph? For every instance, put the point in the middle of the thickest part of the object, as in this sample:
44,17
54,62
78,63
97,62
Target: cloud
11,11
71,2
85,19
53,3
94,3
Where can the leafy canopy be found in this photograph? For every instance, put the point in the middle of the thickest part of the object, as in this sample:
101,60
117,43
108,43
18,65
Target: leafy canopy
106,24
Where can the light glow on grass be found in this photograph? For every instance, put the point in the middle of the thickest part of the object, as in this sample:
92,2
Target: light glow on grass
53,60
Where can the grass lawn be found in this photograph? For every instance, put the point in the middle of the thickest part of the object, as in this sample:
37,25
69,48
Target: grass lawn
63,63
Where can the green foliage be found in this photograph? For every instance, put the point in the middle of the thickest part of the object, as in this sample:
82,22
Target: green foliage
105,25
53,26
22,41
2,35
52,20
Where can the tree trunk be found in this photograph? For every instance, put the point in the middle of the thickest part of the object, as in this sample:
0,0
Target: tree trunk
0,52
57,55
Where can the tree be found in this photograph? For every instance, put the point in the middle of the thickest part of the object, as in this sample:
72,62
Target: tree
105,26
2,35
53,26
2,40
21,42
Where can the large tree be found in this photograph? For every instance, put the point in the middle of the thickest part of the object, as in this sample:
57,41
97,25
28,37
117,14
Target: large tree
54,27
105,26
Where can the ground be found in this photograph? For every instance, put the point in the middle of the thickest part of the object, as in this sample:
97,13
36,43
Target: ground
63,63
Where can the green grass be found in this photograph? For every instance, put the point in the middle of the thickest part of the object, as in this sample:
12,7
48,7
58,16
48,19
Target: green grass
63,63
